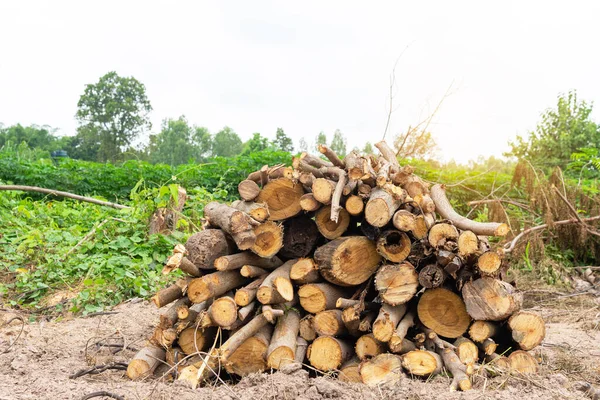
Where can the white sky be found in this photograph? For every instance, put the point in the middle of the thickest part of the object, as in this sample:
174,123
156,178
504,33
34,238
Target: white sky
307,66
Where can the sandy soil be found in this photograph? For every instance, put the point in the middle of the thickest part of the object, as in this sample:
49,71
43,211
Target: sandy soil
38,365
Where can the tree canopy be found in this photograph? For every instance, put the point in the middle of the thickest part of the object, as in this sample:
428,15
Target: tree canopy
226,143
338,143
282,141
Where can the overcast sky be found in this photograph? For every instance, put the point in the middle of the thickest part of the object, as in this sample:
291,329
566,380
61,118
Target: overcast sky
307,66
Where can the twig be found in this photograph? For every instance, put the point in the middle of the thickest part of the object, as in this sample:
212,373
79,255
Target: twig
104,394
96,369
575,213
18,336
85,238
96,314
525,207
63,194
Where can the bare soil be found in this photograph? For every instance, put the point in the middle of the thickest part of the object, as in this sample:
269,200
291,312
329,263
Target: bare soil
38,364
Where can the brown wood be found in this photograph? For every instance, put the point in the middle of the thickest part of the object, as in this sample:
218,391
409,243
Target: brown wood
523,362
404,220
300,236
384,369
338,190
528,329
396,283
440,233
317,297
367,346
364,190
247,294
431,276
460,379
327,353
277,287
322,190
248,190
481,330
468,244
349,371
269,239
388,153
467,351
282,196
236,223
331,156
444,312
422,363
258,211
251,356
271,313
396,342
329,323
387,320
444,208
381,207
489,262
282,348
171,293
305,271
394,245
328,228
213,285
421,228
250,271
309,203
223,312
354,205
490,299
237,261
193,340
347,261
307,329
145,362
169,317
206,246
189,268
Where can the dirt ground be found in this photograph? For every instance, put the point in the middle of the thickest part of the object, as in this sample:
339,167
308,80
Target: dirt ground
38,364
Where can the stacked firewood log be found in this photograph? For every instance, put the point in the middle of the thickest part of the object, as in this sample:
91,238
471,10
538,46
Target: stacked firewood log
355,266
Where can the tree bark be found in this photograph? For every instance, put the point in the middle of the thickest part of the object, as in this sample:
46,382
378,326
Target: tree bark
300,236
250,271
307,329
236,223
331,156
282,349
206,246
277,287
53,192
171,293
213,285
251,356
397,341
258,211
145,362
237,261
490,299
431,276
317,297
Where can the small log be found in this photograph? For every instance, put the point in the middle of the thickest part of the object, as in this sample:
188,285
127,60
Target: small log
454,267
384,369
364,190
404,221
468,244
421,228
387,320
163,337
309,203
193,339
394,245
206,246
247,294
213,285
481,330
327,353
317,297
277,287
460,379
351,317
490,299
403,175
347,261
397,283
282,348
523,362
331,156
444,208
443,312
322,190
223,312
300,236
388,153
258,211
488,346
489,262
440,233
282,196
169,317
350,186
145,362
189,314
329,323
431,276
307,329
396,342
271,313
250,271
354,205
528,329
381,207
444,257
354,165
466,351
171,293
426,203
422,363
337,192
366,322
248,190
251,356
349,371
269,239
301,348
343,303
331,229
237,261
236,223
304,271
367,346
189,268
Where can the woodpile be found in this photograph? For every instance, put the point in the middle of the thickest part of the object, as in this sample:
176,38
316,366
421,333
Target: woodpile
356,266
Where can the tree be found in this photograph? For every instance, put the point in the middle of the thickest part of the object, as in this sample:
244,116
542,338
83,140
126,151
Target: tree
173,145
415,143
302,145
203,143
283,142
368,149
111,114
257,143
338,143
562,132
226,143
320,139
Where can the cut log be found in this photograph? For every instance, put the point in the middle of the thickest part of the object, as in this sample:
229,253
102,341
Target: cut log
468,244
422,363
397,340
443,312
236,223
269,239
171,293
528,329
421,227
384,369
327,353
343,303
364,190
271,313
206,246
444,208
354,165
189,268
328,228
394,245
387,320
317,297
523,362
397,283
488,346
193,340
367,321
258,211
282,349
329,323
351,185
301,348
354,205
247,294
440,233
481,330
213,285
489,262
223,312
300,236
304,271
331,156
489,299
381,207
282,196
145,362
322,190
237,261
349,371
251,356
388,153
277,287
169,317
404,220
460,379
307,329
309,203
250,271
246,311
466,351
189,314
431,276
426,203
367,346
347,261
248,190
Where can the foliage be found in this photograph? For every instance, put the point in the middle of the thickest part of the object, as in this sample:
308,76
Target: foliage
111,114
338,143
226,143
415,143
368,149
41,138
257,143
173,145
320,139
283,142
563,131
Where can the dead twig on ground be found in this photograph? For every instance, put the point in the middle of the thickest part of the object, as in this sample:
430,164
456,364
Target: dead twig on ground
102,393
18,317
63,194
98,369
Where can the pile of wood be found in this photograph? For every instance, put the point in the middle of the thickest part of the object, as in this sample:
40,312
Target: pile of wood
355,266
